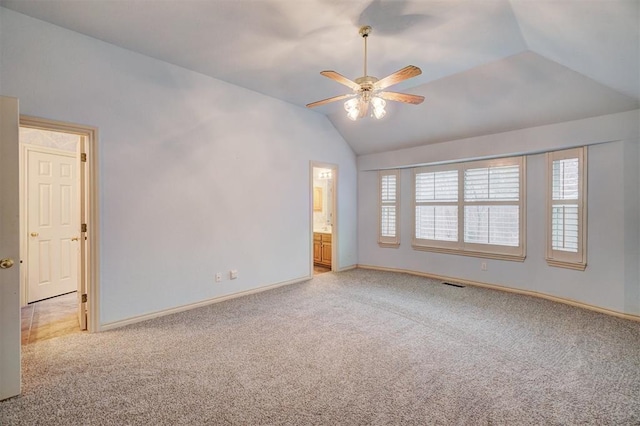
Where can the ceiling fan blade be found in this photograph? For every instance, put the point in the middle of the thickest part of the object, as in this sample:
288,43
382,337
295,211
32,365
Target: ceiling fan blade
398,76
401,97
333,99
341,79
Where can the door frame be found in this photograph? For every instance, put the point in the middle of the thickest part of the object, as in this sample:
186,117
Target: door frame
89,212
334,215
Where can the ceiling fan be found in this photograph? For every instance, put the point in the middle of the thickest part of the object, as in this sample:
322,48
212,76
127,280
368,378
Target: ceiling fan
368,90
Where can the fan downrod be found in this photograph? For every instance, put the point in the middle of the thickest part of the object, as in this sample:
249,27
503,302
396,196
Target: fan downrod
364,32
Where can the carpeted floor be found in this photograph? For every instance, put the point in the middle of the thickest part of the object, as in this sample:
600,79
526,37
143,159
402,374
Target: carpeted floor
353,348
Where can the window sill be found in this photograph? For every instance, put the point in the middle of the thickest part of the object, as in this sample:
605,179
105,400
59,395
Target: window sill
389,245
486,255
568,265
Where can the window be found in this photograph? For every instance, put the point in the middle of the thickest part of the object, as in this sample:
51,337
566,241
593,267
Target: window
388,225
474,208
566,215
436,206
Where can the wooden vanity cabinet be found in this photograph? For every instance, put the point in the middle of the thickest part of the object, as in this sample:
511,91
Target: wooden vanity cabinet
322,249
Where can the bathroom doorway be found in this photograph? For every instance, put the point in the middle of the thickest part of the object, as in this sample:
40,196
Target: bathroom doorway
323,217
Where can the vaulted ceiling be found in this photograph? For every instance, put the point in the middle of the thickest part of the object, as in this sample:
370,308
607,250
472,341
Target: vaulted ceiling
487,66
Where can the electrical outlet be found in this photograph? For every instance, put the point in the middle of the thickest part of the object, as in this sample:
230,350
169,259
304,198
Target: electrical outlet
483,266
233,274
218,277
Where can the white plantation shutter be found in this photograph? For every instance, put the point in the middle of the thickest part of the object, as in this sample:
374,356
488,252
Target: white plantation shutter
436,206
492,212
437,223
388,224
566,233
473,208
501,183
564,217
564,227
499,225
437,186
388,221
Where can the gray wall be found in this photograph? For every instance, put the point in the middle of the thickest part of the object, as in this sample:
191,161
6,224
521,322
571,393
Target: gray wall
196,175
611,279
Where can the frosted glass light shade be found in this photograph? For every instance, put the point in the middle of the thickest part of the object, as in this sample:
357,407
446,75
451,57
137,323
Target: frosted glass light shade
379,113
378,102
378,107
351,104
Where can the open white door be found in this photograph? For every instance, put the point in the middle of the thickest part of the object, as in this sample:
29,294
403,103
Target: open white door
9,250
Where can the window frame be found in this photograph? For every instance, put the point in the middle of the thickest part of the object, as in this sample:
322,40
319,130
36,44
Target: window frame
560,258
383,240
460,247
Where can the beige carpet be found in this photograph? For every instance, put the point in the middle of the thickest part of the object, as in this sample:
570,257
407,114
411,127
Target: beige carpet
353,348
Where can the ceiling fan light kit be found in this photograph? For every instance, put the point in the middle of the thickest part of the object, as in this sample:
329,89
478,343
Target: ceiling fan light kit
368,91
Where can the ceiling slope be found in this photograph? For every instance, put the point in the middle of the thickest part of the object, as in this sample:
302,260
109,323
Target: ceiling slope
488,66
524,90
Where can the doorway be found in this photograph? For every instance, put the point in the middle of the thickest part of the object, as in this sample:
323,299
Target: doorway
13,234
323,217
57,209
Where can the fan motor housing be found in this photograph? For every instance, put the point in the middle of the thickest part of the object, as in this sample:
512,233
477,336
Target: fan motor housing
366,83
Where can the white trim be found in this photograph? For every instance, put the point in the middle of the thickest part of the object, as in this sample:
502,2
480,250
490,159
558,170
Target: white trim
540,295
157,314
346,268
471,253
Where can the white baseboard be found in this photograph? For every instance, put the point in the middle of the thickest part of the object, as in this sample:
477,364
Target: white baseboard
508,289
157,314
346,268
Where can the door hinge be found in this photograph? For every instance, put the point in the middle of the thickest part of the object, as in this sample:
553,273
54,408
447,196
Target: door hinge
83,157
83,227
84,298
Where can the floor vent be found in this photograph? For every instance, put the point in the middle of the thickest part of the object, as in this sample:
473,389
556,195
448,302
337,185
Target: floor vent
453,285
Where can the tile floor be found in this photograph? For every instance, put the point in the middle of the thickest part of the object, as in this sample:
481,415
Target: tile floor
317,269
49,318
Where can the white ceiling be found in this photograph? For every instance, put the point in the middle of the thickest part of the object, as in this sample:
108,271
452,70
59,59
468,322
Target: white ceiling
488,66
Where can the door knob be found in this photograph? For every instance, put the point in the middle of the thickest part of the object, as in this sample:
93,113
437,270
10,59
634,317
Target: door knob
34,234
75,239
6,263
